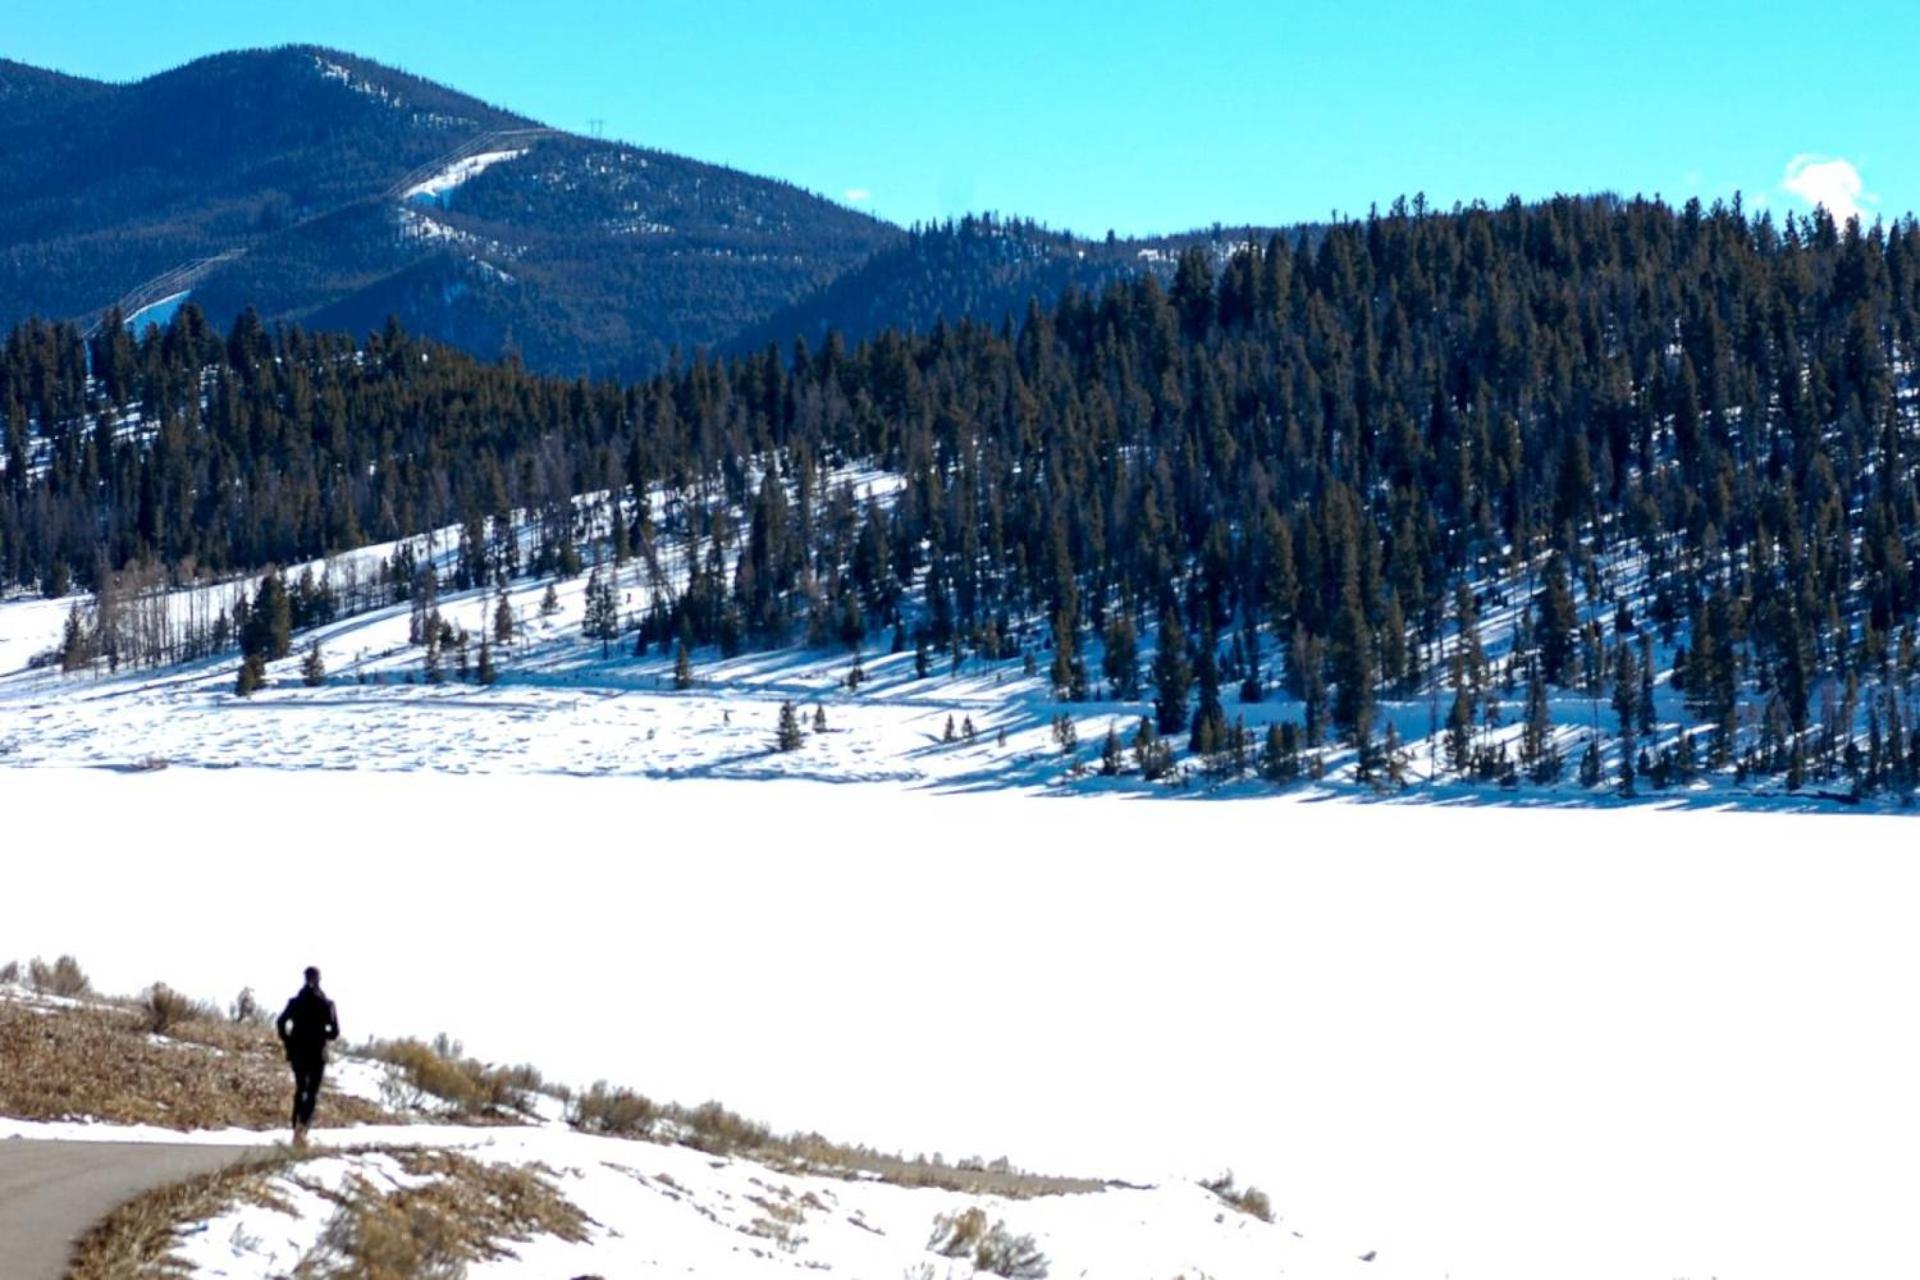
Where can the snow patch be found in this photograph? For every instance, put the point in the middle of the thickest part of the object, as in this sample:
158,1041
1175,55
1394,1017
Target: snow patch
436,189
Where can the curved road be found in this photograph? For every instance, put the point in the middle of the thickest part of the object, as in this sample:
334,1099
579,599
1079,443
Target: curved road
51,1192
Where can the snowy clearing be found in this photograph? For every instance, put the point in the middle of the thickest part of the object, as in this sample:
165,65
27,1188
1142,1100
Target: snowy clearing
435,190
1487,1042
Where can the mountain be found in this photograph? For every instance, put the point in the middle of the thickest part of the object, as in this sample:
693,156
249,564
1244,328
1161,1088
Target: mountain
328,190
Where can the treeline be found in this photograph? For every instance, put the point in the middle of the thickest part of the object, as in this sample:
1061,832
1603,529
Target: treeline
1612,425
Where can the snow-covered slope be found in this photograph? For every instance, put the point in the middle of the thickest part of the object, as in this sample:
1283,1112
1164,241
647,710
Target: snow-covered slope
435,188
566,703
656,1208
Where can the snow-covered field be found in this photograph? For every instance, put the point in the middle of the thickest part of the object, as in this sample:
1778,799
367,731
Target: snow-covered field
1486,1042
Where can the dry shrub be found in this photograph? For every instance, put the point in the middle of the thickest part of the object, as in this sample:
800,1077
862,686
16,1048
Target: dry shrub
992,1249
246,1009
467,1213
163,1010
609,1109
64,977
1248,1200
9,973
714,1129
471,1088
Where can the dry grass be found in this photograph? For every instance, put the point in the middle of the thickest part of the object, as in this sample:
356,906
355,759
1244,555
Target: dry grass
469,1212
1248,1200
99,1060
604,1108
166,1010
474,1090
992,1249
135,1241
811,1153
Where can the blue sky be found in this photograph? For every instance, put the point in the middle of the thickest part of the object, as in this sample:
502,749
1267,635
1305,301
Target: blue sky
1143,117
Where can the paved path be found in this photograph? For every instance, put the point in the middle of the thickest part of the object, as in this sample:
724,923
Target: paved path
51,1192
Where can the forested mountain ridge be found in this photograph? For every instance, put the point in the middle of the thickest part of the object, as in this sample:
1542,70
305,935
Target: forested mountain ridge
31,93
978,267
297,168
1478,459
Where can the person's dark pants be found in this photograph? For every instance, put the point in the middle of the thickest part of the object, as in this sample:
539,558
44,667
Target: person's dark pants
306,1088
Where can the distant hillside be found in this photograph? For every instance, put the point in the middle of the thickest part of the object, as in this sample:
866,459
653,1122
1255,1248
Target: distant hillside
326,189
984,267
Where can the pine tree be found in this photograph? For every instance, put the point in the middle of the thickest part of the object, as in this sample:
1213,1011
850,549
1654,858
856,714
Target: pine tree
1556,622
1626,699
503,618
1590,764
1460,725
269,629
549,602
75,652
1112,755
819,718
683,668
253,675
789,736
1120,659
1208,733
1351,656
948,735
602,619
313,667
1151,753
1172,676
485,673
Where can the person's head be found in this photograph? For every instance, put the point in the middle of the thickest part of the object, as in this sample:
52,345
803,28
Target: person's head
313,977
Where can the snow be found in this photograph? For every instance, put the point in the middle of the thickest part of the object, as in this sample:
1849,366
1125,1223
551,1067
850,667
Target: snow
252,1240
437,188
415,225
159,313
666,1208
1488,1042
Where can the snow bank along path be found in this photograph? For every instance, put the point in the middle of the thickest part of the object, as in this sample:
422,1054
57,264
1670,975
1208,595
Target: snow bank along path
658,1208
52,1191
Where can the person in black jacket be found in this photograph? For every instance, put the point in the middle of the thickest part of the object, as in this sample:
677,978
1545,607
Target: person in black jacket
306,1026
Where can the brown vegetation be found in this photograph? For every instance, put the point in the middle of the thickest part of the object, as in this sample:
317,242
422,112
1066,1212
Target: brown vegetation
64,978
471,1090
605,1108
993,1249
134,1242
1248,1200
469,1212
100,1060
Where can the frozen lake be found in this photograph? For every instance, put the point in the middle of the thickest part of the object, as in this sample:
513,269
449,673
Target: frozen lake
1487,1042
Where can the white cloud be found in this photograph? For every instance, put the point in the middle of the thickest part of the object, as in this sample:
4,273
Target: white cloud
1829,181
857,195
